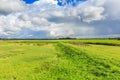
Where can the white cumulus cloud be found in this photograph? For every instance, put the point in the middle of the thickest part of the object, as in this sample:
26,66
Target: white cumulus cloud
90,18
8,6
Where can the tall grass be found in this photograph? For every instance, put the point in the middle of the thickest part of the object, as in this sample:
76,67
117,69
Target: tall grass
88,67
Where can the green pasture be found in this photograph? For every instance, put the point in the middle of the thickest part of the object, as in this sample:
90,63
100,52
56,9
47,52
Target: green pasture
59,60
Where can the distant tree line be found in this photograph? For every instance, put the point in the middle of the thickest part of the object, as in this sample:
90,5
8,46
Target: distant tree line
64,38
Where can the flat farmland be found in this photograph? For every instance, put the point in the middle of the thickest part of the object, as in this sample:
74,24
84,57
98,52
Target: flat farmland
60,60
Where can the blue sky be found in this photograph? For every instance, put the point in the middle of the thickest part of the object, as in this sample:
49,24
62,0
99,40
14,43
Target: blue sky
59,18
30,1
72,2
59,2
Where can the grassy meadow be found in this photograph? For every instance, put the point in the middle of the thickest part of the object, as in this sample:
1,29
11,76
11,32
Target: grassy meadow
60,60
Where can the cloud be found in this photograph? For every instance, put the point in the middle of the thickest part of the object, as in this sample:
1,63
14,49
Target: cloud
45,18
8,6
92,13
112,9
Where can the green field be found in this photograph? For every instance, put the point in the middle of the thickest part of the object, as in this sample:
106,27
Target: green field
60,60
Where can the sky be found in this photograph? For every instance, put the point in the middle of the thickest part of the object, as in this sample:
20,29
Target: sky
59,18
29,1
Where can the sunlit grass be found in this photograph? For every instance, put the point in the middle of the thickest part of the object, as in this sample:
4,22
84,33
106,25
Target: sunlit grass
24,62
102,50
59,60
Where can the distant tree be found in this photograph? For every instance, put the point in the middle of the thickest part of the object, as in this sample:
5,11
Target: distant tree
118,38
67,38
